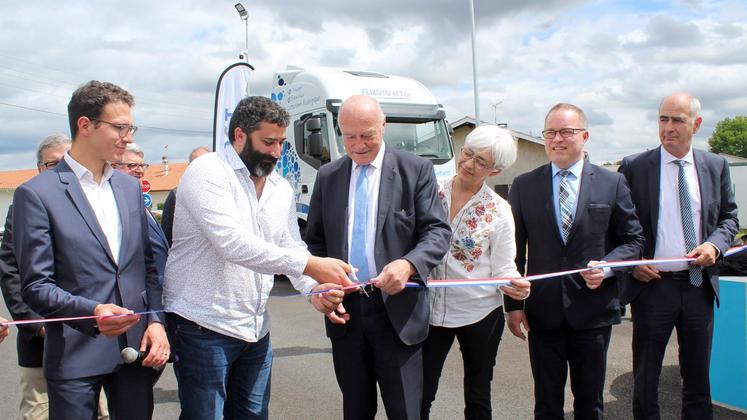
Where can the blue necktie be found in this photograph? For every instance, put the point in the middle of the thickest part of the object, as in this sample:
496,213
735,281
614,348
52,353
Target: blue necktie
565,203
360,223
688,226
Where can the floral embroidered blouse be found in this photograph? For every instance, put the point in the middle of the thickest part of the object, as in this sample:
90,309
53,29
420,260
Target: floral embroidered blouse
482,245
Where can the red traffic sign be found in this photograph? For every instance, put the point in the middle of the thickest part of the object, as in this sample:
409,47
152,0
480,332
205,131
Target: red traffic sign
146,185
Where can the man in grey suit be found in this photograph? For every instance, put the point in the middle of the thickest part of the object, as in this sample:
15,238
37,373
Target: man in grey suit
81,241
686,206
378,209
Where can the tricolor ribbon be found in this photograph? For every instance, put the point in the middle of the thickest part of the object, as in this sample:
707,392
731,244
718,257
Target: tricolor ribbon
487,281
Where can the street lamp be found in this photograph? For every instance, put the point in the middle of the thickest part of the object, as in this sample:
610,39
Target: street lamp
474,64
244,15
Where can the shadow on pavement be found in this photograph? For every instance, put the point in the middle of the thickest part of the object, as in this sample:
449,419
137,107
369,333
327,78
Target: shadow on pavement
299,351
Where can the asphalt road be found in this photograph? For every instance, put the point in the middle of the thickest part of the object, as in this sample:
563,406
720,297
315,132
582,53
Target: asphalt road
303,384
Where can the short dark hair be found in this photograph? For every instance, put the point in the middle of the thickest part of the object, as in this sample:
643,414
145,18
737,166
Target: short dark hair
253,110
90,99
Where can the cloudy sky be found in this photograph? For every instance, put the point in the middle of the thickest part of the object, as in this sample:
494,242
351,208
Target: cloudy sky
615,59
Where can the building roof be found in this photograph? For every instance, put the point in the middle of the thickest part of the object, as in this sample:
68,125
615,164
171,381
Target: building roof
471,122
159,181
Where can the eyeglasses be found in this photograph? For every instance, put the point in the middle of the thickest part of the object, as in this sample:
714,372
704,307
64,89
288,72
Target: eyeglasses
131,166
50,164
565,133
479,161
124,129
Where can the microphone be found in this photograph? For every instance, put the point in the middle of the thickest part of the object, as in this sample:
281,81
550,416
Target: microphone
130,355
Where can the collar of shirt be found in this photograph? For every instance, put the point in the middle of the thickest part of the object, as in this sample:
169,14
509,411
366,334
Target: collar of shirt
234,161
378,161
667,157
81,171
574,169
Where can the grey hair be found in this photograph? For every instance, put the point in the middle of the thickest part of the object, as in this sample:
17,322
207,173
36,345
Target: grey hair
498,140
195,150
55,140
134,148
694,107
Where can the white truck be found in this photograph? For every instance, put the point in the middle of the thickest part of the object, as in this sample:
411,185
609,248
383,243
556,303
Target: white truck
415,121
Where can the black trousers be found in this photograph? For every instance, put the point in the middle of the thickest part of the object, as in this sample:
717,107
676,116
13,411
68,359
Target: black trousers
552,353
478,343
129,392
672,302
371,352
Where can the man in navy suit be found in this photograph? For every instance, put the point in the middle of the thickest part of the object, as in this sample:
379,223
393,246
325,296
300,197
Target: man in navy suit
378,209
570,214
686,206
133,164
81,241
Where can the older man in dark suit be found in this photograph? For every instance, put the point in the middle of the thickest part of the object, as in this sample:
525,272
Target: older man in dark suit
686,206
378,209
570,214
81,240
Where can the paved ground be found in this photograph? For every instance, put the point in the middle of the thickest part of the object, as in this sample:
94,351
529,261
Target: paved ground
303,384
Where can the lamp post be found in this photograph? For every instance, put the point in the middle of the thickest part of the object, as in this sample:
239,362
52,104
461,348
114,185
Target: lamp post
495,111
474,63
244,15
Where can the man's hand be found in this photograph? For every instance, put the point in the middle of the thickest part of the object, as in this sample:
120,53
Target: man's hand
155,342
646,273
4,331
328,270
330,302
705,253
393,277
518,289
515,320
593,278
112,326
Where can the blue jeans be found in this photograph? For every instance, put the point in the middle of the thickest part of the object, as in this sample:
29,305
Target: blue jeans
219,376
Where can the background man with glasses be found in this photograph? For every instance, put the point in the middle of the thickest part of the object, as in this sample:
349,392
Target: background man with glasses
570,214
133,164
82,245
30,341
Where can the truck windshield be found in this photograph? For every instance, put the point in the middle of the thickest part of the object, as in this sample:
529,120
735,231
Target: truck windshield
429,139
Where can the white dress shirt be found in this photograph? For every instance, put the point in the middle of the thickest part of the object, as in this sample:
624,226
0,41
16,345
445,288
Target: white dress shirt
374,180
670,239
101,198
482,245
228,245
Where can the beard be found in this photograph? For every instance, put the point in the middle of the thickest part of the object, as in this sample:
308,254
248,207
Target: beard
258,164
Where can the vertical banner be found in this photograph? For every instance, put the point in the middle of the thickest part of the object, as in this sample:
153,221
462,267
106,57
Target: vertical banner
233,86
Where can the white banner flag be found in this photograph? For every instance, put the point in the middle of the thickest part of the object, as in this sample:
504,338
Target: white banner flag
233,86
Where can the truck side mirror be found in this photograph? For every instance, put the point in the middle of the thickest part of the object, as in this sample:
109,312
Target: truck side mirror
315,144
314,124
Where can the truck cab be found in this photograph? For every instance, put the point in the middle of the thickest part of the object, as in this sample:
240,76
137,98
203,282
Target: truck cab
415,121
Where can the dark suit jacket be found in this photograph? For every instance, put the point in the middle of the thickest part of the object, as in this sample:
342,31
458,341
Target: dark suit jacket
159,246
718,222
410,224
167,217
67,269
605,228
30,345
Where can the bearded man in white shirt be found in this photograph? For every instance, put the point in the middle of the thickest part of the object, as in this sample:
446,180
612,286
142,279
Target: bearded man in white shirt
234,228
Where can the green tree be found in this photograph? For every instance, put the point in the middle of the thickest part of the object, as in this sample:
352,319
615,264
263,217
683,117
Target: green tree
730,137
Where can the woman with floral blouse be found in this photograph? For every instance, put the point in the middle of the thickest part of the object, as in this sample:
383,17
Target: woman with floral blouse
482,245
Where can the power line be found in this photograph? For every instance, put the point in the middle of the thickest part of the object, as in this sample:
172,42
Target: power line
176,130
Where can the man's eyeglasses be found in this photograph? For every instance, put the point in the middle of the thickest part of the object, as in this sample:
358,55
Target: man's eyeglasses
131,166
124,129
479,161
50,164
565,133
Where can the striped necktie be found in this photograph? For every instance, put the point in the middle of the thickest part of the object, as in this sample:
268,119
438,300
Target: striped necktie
565,203
688,226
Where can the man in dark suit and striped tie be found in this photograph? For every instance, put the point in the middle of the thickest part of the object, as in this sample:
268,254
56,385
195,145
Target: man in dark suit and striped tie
685,203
